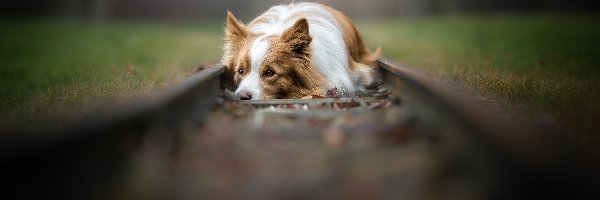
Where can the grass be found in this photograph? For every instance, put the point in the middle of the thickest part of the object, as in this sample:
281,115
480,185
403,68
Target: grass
545,62
68,69
548,63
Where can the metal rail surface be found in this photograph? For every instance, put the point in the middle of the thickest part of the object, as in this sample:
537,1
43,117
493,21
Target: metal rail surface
461,151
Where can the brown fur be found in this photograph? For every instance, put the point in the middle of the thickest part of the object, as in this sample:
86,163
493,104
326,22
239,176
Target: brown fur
237,38
357,50
295,76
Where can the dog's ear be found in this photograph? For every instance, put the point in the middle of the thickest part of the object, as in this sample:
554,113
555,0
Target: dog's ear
235,34
298,37
235,30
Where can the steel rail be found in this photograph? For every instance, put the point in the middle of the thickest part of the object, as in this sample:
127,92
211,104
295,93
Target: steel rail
77,161
304,101
509,157
524,161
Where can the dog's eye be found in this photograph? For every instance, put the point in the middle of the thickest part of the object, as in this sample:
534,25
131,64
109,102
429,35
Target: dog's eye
269,72
241,70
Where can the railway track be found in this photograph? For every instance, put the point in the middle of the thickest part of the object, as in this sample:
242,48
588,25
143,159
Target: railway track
413,138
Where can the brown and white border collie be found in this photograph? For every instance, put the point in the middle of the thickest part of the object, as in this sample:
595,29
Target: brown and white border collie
295,50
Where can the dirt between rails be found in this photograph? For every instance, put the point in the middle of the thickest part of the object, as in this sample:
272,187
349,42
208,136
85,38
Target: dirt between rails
342,150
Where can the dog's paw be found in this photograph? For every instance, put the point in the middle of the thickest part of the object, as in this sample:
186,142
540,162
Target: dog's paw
369,76
373,79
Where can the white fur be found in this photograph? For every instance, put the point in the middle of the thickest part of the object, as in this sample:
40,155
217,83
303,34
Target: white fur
251,82
329,53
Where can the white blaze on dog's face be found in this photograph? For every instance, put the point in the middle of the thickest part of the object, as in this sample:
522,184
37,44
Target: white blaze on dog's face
270,66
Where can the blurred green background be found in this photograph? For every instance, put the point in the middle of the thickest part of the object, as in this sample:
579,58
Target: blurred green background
63,60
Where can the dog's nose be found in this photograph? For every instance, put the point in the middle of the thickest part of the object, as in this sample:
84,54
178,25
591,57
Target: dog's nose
244,95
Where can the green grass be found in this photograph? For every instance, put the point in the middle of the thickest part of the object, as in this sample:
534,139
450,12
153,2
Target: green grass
68,69
56,68
550,64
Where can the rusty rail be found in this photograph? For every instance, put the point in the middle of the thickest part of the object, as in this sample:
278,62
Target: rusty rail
524,161
79,162
500,159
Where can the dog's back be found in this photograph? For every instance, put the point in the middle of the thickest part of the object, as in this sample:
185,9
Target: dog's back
338,51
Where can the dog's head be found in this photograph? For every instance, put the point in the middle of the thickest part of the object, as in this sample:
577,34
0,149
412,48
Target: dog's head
261,66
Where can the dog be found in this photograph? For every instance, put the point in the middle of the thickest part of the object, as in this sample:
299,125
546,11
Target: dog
297,50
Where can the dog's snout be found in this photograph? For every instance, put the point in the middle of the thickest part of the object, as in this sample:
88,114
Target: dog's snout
244,95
